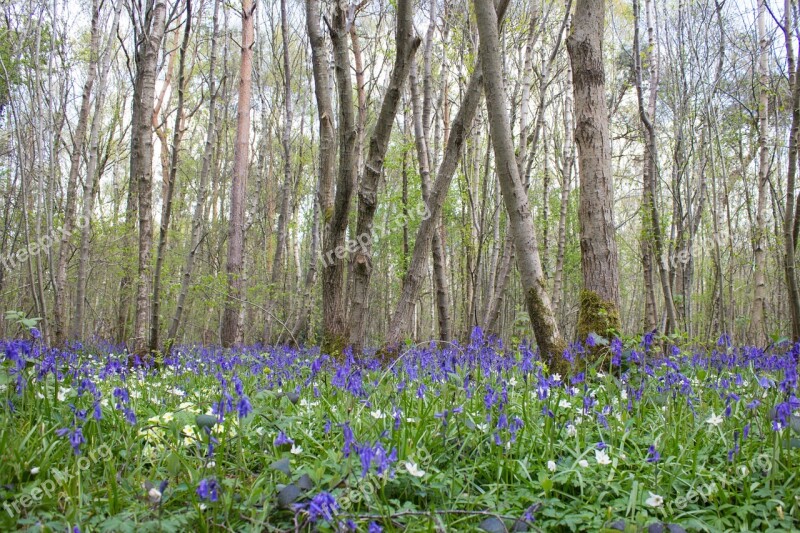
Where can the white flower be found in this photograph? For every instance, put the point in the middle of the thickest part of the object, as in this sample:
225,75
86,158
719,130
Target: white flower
411,420
413,469
557,378
624,395
551,466
583,463
62,394
571,431
602,457
714,420
211,464
378,414
39,395
177,392
512,381
654,500
135,394
185,406
203,507
573,391
564,403
166,418
297,450
35,470
154,495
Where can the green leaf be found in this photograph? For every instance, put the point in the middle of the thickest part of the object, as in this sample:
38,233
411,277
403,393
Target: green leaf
173,464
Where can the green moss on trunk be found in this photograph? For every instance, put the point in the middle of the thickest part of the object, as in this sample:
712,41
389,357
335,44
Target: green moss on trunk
597,316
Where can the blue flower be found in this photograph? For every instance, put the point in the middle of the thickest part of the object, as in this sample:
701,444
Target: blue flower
323,505
653,455
243,407
374,528
208,489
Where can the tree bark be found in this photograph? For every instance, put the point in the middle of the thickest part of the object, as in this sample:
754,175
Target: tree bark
758,334
407,44
147,50
788,213
515,197
231,319
599,305
166,213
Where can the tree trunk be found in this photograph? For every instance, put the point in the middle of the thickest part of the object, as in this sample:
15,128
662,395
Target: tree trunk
147,51
515,197
650,193
232,317
758,334
788,214
92,178
60,304
456,138
334,324
407,44
599,302
166,214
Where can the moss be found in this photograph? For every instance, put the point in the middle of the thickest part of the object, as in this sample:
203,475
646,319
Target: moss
552,349
598,316
334,346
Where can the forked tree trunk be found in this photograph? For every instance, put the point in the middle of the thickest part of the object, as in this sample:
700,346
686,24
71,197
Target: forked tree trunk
599,302
515,196
334,323
232,317
147,51
407,44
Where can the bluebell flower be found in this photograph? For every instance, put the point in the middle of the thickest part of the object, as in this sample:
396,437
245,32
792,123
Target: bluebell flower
208,489
243,407
322,505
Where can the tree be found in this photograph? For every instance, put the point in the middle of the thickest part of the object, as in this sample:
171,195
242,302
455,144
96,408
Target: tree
407,44
515,197
599,302
232,318
146,60
60,305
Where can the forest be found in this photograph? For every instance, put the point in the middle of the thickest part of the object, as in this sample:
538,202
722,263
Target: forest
399,265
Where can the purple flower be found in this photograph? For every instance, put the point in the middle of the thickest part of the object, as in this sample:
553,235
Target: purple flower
322,505
374,528
653,455
282,440
35,333
208,489
75,438
243,407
